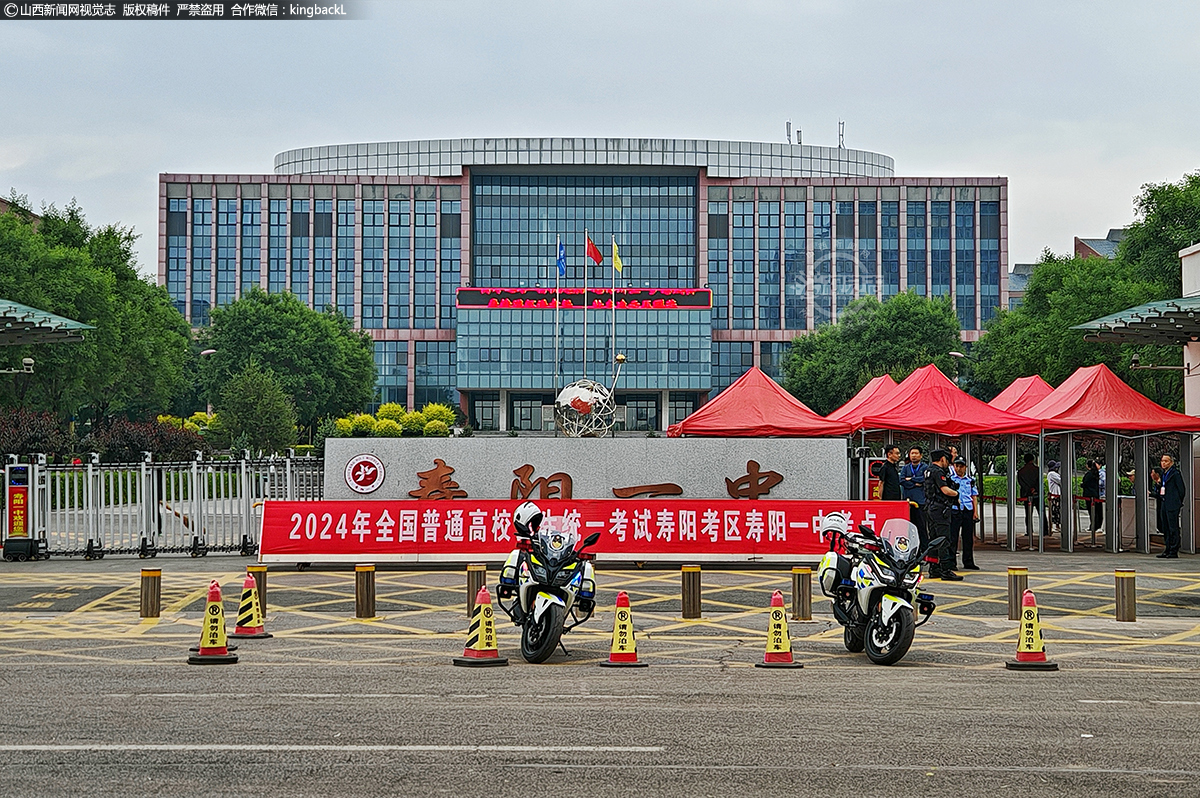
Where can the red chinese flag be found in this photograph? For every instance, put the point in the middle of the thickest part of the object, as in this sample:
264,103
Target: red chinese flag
594,253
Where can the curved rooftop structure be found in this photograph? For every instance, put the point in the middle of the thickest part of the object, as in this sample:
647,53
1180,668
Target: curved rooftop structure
447,157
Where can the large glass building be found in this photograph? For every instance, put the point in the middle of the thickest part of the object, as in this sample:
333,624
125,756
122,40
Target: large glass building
445,251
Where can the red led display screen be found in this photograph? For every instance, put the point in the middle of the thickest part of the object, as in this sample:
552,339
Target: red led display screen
573,299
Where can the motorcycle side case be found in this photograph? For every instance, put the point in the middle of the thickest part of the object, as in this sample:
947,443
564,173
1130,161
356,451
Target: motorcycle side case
833,570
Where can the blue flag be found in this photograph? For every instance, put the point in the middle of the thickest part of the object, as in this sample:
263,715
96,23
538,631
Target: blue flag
562,259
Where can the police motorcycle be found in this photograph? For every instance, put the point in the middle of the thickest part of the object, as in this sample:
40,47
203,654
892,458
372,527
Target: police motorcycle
549,581
871,579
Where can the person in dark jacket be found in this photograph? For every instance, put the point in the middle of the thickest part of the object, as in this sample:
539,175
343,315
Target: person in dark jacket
1172,492
1090,487
1027,482
912,487
940,498
889,475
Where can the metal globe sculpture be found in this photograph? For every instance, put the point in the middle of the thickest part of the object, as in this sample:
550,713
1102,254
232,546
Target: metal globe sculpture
584,409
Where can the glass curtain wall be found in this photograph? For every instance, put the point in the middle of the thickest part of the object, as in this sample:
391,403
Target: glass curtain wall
226,251
251,244
372,265
398,264
322,253
916,247
889,247
822,263
795,266
989,260
202,221
346,232
964,263
768,265
939,248
868,283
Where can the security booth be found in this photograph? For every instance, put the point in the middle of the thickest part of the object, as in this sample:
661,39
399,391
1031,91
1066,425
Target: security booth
24,523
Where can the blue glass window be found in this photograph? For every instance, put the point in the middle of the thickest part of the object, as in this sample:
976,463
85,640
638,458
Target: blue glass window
398,271
768,265
425,271
435,373
346,229
822,262
989,260
451,268
742,310
391,366
915,248
718,263
795,267
844,234
939,248
202,221
177,242
516,220
251,244
771,358
868,281
889,248
730,360
300,233
964,263
372,265
277,267
226,251
322,254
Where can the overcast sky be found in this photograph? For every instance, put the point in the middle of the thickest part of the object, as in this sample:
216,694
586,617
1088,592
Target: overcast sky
1077,103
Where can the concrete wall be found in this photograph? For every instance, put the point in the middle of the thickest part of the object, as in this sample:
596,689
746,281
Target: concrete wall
812,468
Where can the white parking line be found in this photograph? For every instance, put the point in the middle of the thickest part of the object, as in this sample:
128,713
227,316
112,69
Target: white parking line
268,748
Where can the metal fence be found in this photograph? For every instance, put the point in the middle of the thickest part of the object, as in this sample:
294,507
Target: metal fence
144,508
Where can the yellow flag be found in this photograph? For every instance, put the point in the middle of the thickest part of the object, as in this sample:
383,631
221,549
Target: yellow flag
616,257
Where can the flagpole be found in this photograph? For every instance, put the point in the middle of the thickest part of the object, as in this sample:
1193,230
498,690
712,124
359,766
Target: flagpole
557,312
586,258
614,309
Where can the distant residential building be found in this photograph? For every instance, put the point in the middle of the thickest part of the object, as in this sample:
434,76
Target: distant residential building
1099,247
1018,279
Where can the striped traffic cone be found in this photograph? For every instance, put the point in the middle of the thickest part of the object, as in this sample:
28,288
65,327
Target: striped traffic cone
213,645
623,651
481,651
1031,648
250,620
779,644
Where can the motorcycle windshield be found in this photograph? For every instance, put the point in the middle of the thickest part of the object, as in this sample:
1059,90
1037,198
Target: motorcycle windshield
899,536
557,545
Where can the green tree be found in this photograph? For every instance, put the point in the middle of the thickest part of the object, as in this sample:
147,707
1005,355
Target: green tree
1168,221
133,362
827,367
1036,337
254,408
320,361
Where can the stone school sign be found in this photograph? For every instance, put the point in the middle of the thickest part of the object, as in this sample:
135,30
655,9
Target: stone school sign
393,469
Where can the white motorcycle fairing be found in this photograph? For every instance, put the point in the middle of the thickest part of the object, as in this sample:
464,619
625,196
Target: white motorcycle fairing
544,600
889,606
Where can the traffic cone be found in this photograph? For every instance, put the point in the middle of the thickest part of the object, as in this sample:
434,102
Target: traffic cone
481,651
1031,649
779,644
250,619
213,645
623,652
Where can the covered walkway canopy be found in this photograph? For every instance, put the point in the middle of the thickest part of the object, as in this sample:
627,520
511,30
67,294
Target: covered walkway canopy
927,401
873,394
757,406
1024,393
1168,321
21,324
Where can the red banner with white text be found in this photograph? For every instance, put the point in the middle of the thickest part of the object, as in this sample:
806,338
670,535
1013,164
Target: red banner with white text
721,530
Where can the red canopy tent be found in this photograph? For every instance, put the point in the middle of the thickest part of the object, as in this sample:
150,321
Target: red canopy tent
927,401
873,393
757,407
1093,398
1024,393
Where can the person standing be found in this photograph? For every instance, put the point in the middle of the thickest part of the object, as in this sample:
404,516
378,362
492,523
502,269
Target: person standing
889,475
1027,481
1090,487
912,487
1172,490
965,514
940,498
1054,489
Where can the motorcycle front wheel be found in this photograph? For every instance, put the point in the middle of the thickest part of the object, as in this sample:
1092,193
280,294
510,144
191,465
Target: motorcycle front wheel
540,638
886,644
853,639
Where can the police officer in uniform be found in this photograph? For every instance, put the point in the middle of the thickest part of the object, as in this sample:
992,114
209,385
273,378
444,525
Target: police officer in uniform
940,498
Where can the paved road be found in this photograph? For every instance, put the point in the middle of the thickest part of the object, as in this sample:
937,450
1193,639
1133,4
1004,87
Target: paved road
378,729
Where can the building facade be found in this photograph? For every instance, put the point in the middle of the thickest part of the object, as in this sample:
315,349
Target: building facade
445,251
